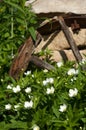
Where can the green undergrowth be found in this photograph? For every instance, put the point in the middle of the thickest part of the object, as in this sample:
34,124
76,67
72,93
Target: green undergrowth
39,99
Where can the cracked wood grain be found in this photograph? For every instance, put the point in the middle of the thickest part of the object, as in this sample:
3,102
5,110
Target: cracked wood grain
21,61
70,39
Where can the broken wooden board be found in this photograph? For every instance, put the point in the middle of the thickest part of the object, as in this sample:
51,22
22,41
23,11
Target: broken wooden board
21,61
50,25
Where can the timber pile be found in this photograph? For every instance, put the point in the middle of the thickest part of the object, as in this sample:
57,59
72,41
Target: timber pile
61,32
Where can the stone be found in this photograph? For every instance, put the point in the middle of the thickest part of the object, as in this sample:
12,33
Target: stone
65,6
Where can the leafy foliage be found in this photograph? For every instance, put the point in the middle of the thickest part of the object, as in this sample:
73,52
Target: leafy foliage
45,111
49,100
17,22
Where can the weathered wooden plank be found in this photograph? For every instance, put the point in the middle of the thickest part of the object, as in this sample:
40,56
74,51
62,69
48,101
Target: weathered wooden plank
21,61
40,63
70,39
51,25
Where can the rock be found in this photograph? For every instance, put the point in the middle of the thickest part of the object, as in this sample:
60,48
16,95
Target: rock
59,6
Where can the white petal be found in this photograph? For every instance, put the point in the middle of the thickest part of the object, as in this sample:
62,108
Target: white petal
27,73
36,127
71,71
63,108
28,90
45,82
8,106
9,87
28,104
73,92
59,64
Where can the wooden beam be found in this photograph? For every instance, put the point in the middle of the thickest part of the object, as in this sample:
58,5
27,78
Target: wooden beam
40,63
70,39
21,61
51,25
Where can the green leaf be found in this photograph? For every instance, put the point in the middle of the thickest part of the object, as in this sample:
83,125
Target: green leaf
4,126
22,3
6,35
13,125
55,111
15,6
33,33
21,21
84,120
18,124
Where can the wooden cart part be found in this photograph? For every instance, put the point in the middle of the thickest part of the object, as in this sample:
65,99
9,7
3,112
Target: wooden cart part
24,56
50,25
70,39
21,61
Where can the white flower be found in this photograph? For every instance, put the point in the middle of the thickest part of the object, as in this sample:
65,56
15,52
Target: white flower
35,127
28,104
50,90
59,64
45,82
72,72
73,79
63,108
8,106
27,73
16,89
45,70
9,87
32,76
2,80
48,80
28,90
73,92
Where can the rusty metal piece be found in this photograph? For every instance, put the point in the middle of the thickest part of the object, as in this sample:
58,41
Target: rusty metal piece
75,27
52,24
